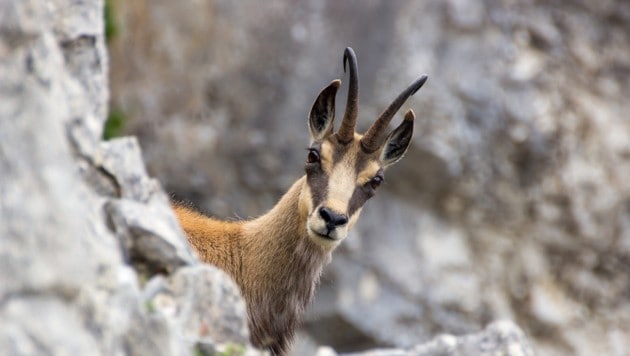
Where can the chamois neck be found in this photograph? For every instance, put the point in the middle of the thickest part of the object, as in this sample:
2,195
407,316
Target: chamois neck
285,221
283,266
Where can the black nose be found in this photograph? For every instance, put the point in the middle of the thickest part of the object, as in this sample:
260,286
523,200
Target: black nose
332,219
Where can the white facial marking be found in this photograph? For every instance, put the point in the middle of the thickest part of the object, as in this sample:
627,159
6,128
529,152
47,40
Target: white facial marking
342,181
341,185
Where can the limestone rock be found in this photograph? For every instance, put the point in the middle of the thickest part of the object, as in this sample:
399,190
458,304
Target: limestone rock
149,233
73,209
501,338
202,302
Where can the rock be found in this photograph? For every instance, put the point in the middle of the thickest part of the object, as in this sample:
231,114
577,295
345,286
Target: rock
43,325
202,302
465,15
74,209
122,159
141,218
37,170
149,233
56,250
499,338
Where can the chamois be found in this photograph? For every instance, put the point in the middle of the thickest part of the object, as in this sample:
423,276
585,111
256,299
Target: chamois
276,259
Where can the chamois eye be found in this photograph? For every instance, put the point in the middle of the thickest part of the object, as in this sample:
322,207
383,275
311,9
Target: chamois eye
376,182
313,156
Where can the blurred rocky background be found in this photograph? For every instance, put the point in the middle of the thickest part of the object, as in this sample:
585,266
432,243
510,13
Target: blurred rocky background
512,203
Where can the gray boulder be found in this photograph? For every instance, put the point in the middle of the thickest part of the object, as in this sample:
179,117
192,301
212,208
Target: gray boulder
501,338
75,213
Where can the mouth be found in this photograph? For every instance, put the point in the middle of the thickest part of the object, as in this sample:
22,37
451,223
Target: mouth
323,236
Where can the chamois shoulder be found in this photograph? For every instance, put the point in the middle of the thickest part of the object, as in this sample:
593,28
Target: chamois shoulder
216,242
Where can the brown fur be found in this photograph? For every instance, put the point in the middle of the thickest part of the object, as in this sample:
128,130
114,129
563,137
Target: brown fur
271,259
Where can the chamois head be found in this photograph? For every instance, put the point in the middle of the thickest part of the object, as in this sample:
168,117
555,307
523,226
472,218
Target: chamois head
344,169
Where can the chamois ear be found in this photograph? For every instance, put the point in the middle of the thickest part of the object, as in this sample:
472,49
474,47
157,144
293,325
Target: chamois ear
322,115
398,141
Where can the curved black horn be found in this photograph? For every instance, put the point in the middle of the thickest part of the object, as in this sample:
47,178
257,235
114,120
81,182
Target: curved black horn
346,130
372,139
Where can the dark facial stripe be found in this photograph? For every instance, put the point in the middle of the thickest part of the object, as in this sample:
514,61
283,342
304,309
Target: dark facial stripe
360,195
317,180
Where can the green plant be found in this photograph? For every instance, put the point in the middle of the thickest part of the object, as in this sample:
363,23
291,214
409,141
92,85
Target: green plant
115,124
149,306
198,351
111,27
232,350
